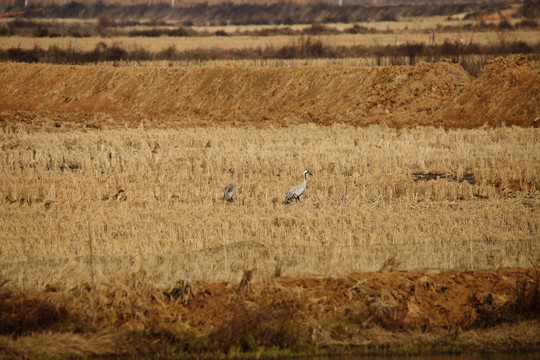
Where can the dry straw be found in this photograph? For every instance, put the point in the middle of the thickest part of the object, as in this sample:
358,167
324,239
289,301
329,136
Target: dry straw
83,205
253,42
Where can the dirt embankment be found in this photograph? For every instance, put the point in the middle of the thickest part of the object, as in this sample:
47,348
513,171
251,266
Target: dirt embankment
442,94
507,92
386,312
423,300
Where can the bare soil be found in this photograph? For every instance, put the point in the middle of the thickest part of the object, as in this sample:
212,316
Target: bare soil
382,312
506,92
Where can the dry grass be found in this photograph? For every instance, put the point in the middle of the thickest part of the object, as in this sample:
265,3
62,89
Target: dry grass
401,26
409,26
248,42
377,43
57,345
87,205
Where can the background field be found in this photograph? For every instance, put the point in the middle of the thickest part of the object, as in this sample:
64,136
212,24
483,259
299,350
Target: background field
468,43
531,37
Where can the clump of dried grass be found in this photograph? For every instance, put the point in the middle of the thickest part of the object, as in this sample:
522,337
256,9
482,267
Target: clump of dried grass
52,344
23,313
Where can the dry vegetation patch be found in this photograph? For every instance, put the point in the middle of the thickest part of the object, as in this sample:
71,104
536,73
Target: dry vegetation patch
102,202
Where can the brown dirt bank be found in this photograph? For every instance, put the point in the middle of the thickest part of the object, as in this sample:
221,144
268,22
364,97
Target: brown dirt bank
442,94
405,312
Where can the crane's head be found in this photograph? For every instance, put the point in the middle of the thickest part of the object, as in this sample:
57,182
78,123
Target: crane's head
307,172
231,171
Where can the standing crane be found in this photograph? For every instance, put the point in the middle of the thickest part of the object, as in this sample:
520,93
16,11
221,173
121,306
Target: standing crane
298,190
230,189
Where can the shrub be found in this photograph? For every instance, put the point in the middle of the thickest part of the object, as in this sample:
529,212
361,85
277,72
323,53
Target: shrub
22,314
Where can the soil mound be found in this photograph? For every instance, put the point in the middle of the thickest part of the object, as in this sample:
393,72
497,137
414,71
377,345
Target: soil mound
442,94
507,91
428,300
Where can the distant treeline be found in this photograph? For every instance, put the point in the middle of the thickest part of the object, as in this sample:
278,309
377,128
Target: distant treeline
109,28
471,56
278,13
185,3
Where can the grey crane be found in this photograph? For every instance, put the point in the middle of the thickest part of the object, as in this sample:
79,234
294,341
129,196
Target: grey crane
298,190
230,189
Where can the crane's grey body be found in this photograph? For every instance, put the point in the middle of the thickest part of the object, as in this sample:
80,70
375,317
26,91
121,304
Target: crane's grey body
298,190
230,189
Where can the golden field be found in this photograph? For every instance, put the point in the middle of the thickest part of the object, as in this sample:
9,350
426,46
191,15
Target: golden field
88,204
434,30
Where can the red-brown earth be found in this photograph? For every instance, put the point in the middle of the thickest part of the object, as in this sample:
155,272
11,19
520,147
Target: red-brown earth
506,92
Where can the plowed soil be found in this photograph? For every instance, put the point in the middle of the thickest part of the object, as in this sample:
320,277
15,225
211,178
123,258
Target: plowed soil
383,312
507,92
425,300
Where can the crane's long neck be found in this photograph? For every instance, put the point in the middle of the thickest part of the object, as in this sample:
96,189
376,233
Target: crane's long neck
232,177
305,178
